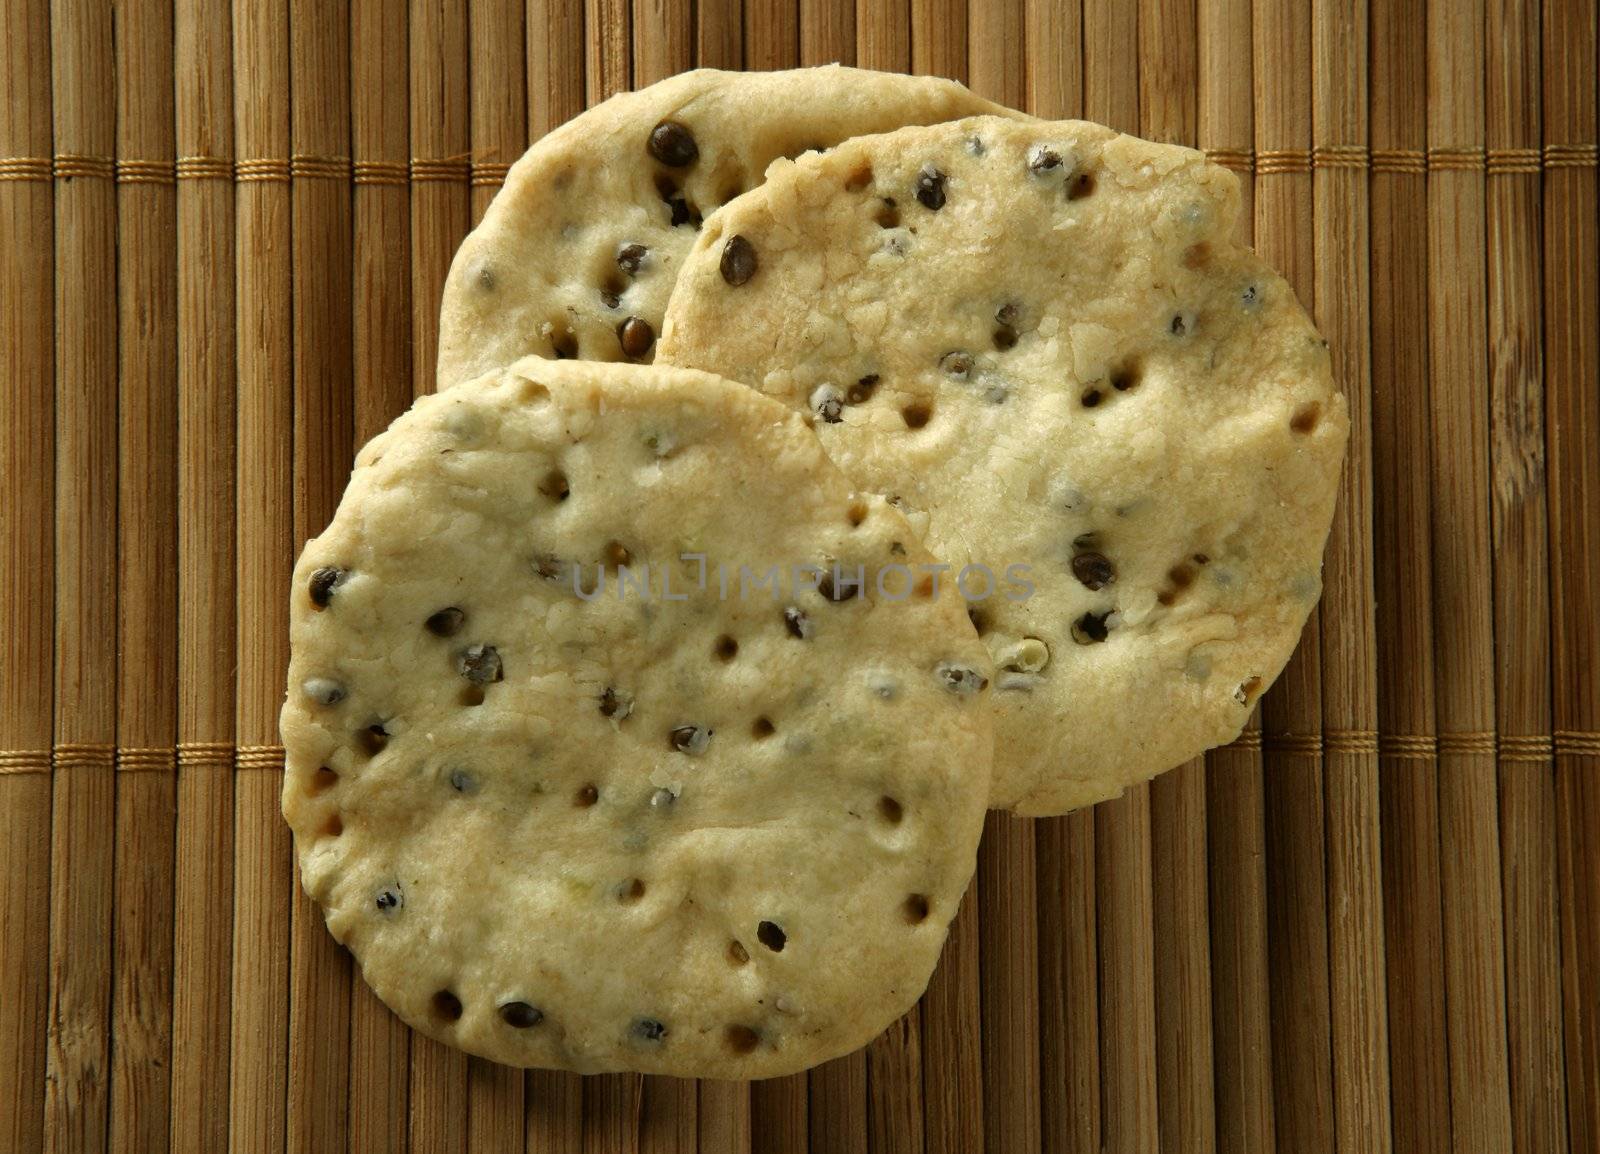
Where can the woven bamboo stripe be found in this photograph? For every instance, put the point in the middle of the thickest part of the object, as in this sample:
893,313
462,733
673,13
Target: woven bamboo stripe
1508,160
205,755
1408,746
24,168
70,166
320,167
24,761
1339,156
1571,742
160,759
1526,747
254,170
1571,155
204,168
1283,160
1293,744
1497,162
489,174
1408,161
425,171
87,756
1456,159
1481,742
145,172
1360,741
381,172
260,757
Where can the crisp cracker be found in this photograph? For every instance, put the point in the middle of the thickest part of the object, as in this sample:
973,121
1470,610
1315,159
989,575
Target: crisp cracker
577,254
1042,340
684,833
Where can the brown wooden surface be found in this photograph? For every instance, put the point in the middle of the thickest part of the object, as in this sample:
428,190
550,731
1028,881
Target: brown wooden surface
1372,923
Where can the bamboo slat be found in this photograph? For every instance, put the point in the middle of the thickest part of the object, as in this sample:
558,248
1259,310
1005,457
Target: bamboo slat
1520,536
1458,379
82,809
1240,992
147,568
264,880
1571,63
27,566
202,981
380,1044
1358,1009
1373,922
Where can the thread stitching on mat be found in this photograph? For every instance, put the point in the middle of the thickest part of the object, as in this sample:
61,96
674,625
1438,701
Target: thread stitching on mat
157,759
24,761
84,755
205,755
1265,162
1571,741
260,757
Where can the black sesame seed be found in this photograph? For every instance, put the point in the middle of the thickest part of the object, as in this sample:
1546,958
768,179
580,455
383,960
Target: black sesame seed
1042,160
631,258
520,1015
445,623
1095,570
690,739
682,213
1250,296
673,144
647,1030
322,585
930,188
615,705
635,336
586,796
831,409
771,935
610,299
462,782
1090,628
480,664
1180,325
1008,313
390,900
739,261
798,623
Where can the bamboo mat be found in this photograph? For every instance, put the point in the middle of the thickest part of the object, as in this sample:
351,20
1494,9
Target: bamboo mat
1372,923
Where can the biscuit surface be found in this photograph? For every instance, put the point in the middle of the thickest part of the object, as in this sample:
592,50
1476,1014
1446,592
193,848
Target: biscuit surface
577,254
1042,342
666,829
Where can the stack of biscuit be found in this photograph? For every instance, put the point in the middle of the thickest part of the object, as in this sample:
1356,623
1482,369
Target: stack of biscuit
820,458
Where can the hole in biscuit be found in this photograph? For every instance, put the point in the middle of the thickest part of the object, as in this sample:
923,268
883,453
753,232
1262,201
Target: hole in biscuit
630,891
1181,575
890,810
617,554
915,909
771,935
1080,186
737,954
555,485
666,187
859,178
372,739
322,781
472,695
586,796
924,587
1126,376
741,1039
530,393
1247,691
446,1006
1005,337
521,1015
763,729
1306,417
917,414
888,215
1092,396
861,392
563,341
979,619
727,648
1197,255
857,513
334,826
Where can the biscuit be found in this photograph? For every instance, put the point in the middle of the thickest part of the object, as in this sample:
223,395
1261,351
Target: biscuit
584,776
1041,341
